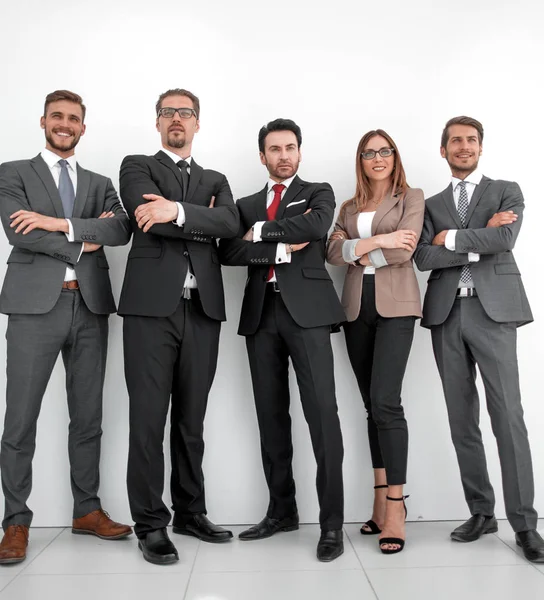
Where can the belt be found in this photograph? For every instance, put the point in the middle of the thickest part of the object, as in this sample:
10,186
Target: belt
466,292
70,285
272,286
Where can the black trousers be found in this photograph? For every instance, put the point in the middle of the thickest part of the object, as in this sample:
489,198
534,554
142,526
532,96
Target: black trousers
165,357
378,349
269,349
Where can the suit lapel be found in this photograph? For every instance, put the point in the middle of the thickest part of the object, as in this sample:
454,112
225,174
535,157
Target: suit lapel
480,189
43,171
447,198
260,205
168,162
83,183
292,192
194,179
385,206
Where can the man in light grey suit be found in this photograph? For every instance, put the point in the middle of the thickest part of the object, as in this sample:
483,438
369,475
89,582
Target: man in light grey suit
57,293
475,300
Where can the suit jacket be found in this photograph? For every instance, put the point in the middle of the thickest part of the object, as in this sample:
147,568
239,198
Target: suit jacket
397,290
158,260
306,287
496,276
37,264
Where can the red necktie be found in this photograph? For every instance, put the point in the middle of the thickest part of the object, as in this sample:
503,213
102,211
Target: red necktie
271,212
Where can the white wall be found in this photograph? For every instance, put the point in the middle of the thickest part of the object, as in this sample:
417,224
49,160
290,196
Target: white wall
338,69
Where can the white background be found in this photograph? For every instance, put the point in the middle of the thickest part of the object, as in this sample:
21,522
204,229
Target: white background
338,69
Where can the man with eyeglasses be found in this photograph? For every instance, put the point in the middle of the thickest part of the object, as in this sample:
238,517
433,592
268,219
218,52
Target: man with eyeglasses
57,294
288,309
474,303
172,302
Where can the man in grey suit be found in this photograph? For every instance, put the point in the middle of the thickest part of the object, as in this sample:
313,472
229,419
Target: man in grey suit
475,300
57,293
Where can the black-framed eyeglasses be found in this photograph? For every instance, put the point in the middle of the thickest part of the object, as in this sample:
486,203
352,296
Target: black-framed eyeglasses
168,112
383,152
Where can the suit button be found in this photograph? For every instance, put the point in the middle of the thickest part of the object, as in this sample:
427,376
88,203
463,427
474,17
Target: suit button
185,253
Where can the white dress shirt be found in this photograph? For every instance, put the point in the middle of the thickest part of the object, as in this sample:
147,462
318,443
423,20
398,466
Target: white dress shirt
52,161
190,279
364,229
471,182
281,248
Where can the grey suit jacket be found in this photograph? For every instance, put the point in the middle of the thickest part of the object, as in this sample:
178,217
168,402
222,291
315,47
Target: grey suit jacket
37,264
496,276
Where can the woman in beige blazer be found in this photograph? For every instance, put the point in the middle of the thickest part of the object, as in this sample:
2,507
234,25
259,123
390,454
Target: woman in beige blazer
375,235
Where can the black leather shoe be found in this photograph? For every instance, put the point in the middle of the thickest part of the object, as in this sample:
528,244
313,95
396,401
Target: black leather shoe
157,548
268,527
331,545
199,526
474,528
532,545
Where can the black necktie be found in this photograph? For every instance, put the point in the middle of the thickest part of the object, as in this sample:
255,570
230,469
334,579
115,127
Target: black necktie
183,165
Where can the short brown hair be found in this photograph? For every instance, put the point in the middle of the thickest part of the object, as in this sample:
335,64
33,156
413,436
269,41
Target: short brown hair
58,95
179,92
462,121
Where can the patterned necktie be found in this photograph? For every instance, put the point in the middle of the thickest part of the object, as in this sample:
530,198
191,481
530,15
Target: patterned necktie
66,189
183,165
462,209
271,213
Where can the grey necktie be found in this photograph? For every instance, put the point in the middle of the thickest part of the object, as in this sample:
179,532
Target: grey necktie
462,209
183,165
66,189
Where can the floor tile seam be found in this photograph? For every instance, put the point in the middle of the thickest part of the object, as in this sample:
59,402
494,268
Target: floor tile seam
192,570
470,566
361,564
529,563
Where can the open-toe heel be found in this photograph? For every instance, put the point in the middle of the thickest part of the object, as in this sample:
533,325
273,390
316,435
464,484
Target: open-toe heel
392,540
374,529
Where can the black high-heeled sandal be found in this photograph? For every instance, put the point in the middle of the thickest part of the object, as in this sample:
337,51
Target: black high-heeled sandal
391,540
374,529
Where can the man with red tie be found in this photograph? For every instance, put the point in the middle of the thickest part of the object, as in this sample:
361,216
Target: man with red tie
288,309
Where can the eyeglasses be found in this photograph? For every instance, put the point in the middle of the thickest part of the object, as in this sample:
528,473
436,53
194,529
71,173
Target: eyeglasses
383,152
184,113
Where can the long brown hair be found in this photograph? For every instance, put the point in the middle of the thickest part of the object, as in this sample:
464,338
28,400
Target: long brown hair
363,190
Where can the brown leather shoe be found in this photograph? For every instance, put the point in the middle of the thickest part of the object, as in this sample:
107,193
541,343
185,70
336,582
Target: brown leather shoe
99,523
14,543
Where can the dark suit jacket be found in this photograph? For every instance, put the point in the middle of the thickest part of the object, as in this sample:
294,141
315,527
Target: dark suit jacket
158,260
38,261
496,276
306,287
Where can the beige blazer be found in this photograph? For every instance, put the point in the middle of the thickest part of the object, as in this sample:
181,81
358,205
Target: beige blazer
397,290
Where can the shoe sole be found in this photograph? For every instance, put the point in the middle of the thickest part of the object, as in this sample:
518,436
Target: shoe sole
102,537
11,561
533,560
330,559
167,561
464,541
264,537
199,537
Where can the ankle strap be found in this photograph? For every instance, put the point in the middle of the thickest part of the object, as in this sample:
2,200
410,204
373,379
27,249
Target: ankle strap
379,487
398,499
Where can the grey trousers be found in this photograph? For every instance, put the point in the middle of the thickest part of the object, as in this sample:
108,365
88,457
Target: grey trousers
33,345
467,338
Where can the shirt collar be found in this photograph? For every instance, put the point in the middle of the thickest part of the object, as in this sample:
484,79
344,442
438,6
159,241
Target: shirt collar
286,183
51,159
176,158
474,178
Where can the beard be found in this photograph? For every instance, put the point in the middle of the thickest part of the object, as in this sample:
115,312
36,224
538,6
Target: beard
176,141
280,172
66,147
461,166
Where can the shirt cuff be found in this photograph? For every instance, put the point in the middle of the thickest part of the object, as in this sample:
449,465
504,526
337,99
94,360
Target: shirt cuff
81,252
180,221
70,234
473,257
281,254
449,242
348,251
257,231
377,258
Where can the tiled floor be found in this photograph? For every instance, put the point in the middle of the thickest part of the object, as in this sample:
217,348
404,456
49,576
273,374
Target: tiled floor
61,566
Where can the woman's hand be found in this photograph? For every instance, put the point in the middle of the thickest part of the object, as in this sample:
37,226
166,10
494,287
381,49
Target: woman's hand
338,235
405,239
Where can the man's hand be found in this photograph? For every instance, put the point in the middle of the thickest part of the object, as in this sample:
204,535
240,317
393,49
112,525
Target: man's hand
249,235
295,247
26,221
502,218
89,247
440,238
107,215
157,210
364,261
212,202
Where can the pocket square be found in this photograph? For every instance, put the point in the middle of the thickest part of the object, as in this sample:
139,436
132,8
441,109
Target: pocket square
297,202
